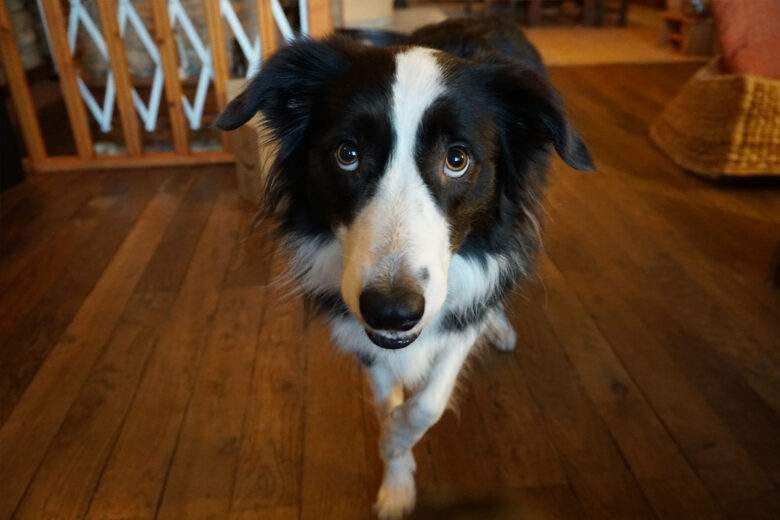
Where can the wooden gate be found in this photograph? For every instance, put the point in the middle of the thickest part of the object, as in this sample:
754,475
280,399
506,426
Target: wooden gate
108,30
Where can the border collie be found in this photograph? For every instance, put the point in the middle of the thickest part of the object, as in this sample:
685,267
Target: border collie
406,189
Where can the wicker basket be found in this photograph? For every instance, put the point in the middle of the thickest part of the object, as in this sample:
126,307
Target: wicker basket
723,124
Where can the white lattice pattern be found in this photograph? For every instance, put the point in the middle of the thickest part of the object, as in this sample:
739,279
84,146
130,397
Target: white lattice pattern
193,110
252,51
146,111
79,17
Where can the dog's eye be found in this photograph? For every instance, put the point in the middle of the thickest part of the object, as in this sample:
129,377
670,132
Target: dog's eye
347,156
456,162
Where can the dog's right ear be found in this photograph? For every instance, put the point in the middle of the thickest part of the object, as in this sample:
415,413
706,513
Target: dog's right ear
534,113
287,87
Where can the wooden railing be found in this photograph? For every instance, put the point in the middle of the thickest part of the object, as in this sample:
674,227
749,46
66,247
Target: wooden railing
315,16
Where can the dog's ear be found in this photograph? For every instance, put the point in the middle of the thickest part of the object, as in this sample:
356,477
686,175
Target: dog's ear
533,113
287,87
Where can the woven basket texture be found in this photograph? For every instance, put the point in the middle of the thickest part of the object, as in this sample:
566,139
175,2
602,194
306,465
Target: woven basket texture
723,124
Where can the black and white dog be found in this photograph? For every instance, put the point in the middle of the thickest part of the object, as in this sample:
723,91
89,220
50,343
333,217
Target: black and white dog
406,187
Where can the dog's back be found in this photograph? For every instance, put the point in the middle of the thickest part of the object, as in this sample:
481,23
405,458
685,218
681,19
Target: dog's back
480,39
485,39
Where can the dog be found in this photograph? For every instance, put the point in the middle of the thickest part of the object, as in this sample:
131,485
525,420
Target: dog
406,190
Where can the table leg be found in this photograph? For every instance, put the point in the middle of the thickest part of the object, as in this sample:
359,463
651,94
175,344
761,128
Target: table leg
534,12
589,8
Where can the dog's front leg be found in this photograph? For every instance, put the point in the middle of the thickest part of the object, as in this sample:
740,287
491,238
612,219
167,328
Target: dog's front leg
388,392
408,422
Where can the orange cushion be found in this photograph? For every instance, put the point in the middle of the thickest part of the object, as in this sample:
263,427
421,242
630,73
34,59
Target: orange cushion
749,33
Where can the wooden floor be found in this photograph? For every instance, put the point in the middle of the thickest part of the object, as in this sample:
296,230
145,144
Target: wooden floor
149,367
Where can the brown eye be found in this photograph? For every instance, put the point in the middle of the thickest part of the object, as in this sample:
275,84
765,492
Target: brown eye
456,162
347,156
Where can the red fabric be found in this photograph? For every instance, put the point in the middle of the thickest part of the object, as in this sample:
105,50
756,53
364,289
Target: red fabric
749,33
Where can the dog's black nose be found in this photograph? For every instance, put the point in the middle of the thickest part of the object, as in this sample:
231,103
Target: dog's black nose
391,310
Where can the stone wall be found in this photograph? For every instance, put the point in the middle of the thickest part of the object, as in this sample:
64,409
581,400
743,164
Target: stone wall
28,40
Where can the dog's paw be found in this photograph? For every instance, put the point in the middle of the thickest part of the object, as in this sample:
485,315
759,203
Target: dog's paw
397,495
396,500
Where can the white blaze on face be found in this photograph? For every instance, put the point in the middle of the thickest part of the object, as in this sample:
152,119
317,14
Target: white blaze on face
402,226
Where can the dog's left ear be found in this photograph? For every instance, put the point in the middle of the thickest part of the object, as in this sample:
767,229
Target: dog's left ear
533,111
287,87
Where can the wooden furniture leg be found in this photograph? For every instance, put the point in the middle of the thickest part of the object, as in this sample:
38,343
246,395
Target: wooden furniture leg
590,10
534,12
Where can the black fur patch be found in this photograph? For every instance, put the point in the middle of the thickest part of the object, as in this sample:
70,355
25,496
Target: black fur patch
314,96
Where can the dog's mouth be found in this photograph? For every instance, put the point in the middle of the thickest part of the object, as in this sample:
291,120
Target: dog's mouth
393,342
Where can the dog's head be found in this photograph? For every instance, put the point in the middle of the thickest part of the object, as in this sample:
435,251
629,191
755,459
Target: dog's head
401,155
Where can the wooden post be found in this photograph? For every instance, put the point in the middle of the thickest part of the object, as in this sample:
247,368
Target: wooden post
150,160
590,12
67,72
320,18
267,28
116,51
173,92
218,57
534,12
20,91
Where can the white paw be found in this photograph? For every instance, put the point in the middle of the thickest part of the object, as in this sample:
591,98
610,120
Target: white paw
395,500
397,495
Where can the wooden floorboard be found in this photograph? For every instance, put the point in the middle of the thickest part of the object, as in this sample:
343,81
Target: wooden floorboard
523,453
333,468
65,481
49,292
136,472
39,211
269,473
38,415
592,462
200,480
152,364
665,477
